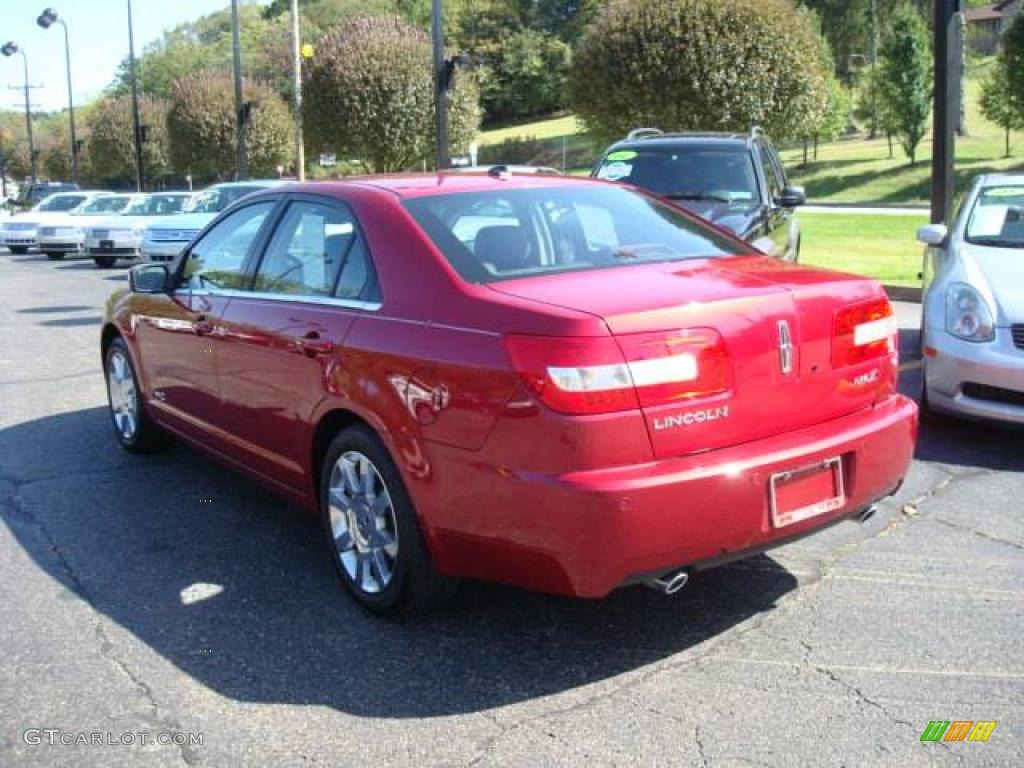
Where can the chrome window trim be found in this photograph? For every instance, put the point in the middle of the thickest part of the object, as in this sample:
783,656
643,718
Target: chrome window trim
328,301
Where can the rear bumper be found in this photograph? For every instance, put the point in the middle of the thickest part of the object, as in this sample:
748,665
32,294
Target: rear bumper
586,533
958,367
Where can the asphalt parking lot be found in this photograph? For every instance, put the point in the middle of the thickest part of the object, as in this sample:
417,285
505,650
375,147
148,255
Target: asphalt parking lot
166,595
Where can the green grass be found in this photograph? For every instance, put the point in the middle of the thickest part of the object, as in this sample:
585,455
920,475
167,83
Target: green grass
857,170
881,246
551,128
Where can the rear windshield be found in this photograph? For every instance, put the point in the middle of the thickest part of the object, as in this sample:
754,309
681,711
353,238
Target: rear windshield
506,234
719,173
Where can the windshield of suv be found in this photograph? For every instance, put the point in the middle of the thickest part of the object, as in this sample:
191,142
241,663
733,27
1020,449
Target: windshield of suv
216,199
997,218
698,172
505,234
156,205
60,203
109,204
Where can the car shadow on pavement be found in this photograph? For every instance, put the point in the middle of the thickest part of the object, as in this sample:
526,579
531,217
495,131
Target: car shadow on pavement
235,588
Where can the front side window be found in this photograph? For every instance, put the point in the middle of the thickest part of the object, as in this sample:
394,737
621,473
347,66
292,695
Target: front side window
997,217
716,173
560,229
217,260
314,244
771,173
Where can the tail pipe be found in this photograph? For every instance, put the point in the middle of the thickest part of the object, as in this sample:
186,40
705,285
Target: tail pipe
670,583
866,514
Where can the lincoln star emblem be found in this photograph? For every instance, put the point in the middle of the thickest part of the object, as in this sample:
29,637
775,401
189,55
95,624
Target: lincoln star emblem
785,348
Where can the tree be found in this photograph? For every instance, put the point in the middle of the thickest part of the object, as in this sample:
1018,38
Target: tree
369,94
111,142
998,103
906,78
699,65
201,127
1011,56
527,76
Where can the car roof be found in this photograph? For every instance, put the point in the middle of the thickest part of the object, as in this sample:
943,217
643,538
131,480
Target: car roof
992,179
669,141
248,183
413,185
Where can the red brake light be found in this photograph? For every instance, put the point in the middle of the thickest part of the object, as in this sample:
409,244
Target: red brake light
863,331
607,374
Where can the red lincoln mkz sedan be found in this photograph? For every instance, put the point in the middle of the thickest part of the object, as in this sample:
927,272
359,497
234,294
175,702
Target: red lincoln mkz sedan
557,383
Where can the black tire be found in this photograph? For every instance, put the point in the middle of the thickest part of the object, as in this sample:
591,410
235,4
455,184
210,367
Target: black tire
925,412
18,250
146,437
415,586
104,262
55,256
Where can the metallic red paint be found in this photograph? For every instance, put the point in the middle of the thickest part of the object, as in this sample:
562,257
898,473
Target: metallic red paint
505,488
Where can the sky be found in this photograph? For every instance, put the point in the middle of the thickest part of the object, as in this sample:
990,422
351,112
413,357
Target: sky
98,31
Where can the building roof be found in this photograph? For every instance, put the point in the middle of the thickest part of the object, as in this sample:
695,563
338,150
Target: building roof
984,13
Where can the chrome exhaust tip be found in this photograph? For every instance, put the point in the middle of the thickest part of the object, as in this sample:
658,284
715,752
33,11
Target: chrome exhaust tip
866,514
670,583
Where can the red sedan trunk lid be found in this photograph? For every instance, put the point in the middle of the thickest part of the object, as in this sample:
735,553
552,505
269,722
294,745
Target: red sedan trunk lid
747,300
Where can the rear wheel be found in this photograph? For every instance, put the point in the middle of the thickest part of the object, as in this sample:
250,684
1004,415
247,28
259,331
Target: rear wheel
104,262
135,430
372,529
55,256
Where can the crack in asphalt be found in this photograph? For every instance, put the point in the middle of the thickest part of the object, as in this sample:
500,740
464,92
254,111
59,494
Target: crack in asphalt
978,533
166,723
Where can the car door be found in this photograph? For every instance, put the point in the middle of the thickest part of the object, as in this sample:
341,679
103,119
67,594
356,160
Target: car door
774,239
178,334
283,335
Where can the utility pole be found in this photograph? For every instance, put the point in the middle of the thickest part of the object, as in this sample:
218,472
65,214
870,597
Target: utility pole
136,122
947,111
242,169
300,149
9,49
441,76
874,68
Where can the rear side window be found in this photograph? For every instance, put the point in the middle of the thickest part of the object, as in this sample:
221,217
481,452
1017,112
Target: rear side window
538,231
317,250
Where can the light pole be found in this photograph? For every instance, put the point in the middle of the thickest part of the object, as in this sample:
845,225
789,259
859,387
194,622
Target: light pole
136,122
441,76
300,150
241,112
9,49
46,20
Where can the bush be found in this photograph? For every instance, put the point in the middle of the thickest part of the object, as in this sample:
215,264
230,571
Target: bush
201,126
111,142
369,94
699,65
526,77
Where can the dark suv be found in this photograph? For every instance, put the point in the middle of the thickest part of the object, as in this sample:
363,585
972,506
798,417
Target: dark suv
734,180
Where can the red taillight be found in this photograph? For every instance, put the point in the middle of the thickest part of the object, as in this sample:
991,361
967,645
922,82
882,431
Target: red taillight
864,331
607,374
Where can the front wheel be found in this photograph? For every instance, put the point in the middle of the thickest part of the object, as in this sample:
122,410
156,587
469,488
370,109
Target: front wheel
372,529
55,256
18,250
135,430
104,262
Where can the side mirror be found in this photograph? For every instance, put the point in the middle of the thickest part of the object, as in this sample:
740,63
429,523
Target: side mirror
933,234
791,197
149,278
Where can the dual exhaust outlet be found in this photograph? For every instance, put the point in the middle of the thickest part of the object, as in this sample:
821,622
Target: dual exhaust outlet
673,581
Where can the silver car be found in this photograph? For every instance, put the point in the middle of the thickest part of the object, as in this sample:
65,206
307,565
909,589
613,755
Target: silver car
972,334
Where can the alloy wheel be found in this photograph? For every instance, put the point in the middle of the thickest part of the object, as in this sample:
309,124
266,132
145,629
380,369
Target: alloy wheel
363,525
124,401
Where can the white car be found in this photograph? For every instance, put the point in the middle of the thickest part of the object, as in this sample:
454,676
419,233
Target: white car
167,238
19,233
67,235
972,336
120,237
